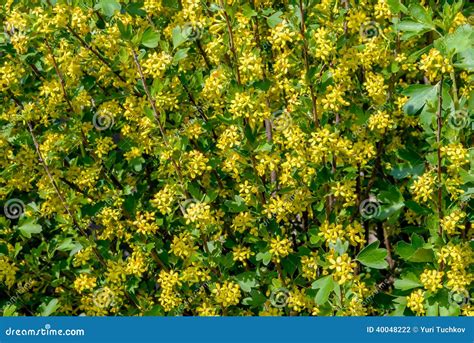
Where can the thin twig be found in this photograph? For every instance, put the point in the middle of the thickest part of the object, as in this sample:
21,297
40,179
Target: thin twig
306,65
438,142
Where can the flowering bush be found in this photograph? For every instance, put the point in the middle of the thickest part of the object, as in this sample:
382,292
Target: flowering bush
236,157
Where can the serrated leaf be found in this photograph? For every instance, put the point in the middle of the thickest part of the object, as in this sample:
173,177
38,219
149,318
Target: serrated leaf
372,256
109,7
274,19
29,227
409,282
150,38
178,37
179,55
247,281
265,257
50,308
325,286
418,95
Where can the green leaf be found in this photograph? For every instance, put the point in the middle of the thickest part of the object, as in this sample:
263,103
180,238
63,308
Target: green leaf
29,227
410,281
150,38
460,40
372,256
392,203
326,286
125,31
266,257
3,249
412,27
180,54
418,95
257,299
9,311
274,19
404,170
109,7
247,281
422,15
47,310
237,205
414,251
66,245
396,6
178,37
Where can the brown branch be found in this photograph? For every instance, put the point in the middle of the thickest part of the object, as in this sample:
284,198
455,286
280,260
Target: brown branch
386,242
438,142
306,65
157,118
231,42
203,53
60,76
267,122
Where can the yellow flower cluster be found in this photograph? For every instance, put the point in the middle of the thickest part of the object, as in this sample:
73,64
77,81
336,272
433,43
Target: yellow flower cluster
457,258
298,301
145,223
331,232
196,164
83,256
453,221
227,294
345,190
457,156
229,138
415,302
164,199
156,64
309,266
136,263
10,75
7,271
423,187
242,254
199,214
376,87
432,279
169,299
342,267
325,46
434,65
380,122
183,245
280,247
84,282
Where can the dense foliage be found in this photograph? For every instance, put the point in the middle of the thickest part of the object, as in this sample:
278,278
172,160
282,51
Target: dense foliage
234,157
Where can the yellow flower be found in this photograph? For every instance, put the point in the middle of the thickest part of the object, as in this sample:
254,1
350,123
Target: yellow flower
423,187
280,247
453,221
163,200
7,271
241,253
309,266
227,294
342,267
84,282
415,302
434,65
432,279
145,223
183,245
